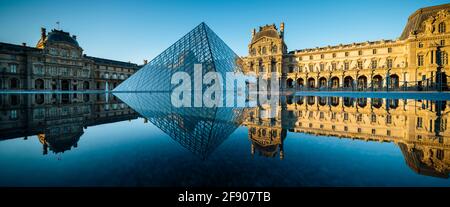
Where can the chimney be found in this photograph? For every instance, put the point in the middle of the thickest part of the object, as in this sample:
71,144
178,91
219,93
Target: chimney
253,32
24,44
43,33
74,37
282,29
145,62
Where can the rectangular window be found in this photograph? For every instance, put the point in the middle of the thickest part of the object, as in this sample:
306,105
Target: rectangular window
359,117
13,114
359,130
13,68
388,132
442,42
373,118
53,51
420,60
334,55
345,116
373,132
345,128
389,63
322,56
346,66
440,154
360,64
388,119
322,67
346,54
374,64
333,66
39,113
38,69
419,122
360,52
333,115
374,51
389,50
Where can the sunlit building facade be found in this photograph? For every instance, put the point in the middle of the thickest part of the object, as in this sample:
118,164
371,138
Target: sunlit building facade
417,60
58,63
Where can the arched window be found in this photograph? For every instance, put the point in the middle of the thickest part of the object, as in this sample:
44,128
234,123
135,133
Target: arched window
273,66
442,27
39,84
14,83
261,66
86,85
39,98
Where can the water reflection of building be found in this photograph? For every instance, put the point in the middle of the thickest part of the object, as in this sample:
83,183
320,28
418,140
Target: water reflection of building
265,130
418,127
58,120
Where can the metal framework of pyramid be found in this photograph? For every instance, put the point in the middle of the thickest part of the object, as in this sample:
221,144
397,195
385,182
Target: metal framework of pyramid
200,46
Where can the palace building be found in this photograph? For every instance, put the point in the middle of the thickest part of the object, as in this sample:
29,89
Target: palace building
417,60
58,63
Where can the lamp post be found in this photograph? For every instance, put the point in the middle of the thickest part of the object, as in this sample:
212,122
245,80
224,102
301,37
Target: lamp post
388,79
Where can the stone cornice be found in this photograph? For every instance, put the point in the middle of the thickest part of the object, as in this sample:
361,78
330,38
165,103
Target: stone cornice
351,47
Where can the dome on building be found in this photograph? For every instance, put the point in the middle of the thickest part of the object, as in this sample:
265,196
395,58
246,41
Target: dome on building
56,36
415,21
266,31
59,141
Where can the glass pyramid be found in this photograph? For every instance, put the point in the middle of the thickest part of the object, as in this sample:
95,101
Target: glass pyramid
199,46
200,130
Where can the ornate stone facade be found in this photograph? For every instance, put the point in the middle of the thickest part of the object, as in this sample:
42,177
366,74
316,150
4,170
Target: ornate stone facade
58,63
418,60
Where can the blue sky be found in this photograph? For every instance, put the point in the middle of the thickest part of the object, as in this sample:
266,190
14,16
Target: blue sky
137,30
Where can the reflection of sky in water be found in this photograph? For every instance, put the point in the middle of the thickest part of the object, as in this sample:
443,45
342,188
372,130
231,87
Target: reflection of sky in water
134,153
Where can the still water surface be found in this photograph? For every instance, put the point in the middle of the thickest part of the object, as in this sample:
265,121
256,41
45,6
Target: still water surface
140,140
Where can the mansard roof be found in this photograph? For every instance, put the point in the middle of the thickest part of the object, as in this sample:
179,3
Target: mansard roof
415,21
266,31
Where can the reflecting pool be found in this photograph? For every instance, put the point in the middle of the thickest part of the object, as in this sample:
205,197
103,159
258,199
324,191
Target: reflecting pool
140,139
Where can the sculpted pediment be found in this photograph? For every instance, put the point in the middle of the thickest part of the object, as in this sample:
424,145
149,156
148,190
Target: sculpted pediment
431,24
265,40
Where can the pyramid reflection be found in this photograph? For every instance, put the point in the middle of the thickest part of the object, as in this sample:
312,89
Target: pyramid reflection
200,130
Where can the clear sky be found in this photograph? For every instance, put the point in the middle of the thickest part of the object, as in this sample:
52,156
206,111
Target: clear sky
137,30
